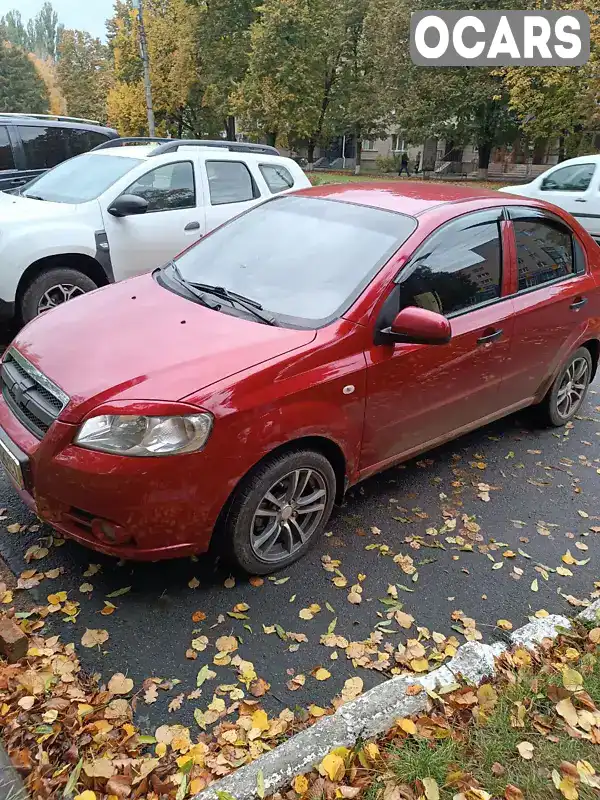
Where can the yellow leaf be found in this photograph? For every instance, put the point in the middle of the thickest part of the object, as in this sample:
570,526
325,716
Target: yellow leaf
316,711
567,789
534,585
352,688
322,674
567,711
260,720
419,665
407,725
572,680
160,749
566,573
525,750
505,624
568,558
300,784
487,696
332,767
87,795
372,751
196,786
58,597
432,791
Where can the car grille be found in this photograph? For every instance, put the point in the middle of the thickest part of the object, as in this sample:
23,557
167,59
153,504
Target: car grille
30,395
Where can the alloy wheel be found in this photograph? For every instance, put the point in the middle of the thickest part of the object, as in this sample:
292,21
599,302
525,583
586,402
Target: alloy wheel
57,295
288,515
572,387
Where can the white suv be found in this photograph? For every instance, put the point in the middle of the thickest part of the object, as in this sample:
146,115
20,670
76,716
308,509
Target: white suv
124,209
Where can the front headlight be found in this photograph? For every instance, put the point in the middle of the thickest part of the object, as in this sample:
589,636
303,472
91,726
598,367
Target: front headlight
145,436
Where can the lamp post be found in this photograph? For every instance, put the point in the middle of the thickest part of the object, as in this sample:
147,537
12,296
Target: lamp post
137,4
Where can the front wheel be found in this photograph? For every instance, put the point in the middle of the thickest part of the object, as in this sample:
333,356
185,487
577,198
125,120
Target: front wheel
53,288
567,393
279,511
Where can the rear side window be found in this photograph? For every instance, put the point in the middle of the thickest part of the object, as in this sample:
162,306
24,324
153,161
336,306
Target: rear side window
167,188
230,182
575,178
457,268
277,178
43,147
7,160
544,251
82,141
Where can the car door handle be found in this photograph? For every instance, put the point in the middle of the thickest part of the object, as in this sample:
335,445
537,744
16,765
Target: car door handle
192,226
17,181
580,200
490,337
578,303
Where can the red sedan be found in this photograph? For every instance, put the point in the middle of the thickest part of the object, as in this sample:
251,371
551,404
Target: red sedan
236,393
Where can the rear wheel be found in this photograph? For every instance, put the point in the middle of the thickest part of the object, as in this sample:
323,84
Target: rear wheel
279,511
53,288
567,393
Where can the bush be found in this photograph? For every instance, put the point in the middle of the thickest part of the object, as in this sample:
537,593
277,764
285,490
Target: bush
387,163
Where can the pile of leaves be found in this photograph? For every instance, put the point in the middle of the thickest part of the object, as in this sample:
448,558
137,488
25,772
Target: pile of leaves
70,736
533,733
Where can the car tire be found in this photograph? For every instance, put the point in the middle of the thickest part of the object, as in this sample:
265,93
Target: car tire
567,394
50,286
253,511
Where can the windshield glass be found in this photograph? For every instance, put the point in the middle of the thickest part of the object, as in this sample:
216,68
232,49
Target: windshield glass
300,257
80,179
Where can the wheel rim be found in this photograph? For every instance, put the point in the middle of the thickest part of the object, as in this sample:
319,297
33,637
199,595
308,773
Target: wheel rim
57,295
572,387
288,514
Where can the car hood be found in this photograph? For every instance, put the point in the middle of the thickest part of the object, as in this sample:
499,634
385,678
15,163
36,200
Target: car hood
14,208
521,189
136,340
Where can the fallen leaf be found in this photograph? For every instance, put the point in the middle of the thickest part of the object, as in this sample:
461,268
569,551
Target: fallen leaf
432,791
572,680
119,684
151,694
256,581
352,688
86,587
525,750
194,583
176,702
26,702
321,674
332,767
407,725
86,795
94,637
513,793
505,624
119,592
534,585
567,711
99,768
300,784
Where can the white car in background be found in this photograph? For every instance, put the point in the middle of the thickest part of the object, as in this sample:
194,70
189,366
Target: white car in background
124,209
573,185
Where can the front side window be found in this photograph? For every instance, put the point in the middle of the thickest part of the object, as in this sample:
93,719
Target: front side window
82,141
80,179
457,268
7,160
277,178
575,178
230,182
304,259
544,251
44,147
167,188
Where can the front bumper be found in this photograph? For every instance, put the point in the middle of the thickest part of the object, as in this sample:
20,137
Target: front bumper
131,508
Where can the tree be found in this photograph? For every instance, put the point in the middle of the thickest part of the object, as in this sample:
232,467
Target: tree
21,88
46,69
82,71
41,35
13,30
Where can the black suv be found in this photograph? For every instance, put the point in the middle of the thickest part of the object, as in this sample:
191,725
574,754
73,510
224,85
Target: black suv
32,143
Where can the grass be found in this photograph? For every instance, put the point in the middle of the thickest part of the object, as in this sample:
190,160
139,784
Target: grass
324,178
495,741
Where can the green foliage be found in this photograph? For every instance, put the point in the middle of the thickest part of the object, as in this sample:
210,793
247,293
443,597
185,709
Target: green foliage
21,88
387,163
40,36
82,74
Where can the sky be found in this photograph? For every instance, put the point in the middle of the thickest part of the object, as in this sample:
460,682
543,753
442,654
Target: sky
87,15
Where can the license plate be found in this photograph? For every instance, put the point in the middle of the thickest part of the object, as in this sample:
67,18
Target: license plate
11,465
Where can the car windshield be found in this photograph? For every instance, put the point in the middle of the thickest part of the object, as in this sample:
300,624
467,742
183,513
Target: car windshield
302,258
79,179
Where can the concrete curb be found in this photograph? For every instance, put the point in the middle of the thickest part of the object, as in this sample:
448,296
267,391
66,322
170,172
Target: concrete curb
375,712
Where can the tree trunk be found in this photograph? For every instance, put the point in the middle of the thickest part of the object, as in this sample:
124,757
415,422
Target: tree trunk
271,138
358,151
230,128
485,151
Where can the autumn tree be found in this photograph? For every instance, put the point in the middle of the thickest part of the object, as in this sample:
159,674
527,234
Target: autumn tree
21,88
82,73
41,35
46,69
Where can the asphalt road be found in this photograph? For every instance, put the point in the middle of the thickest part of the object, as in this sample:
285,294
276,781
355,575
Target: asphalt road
537,476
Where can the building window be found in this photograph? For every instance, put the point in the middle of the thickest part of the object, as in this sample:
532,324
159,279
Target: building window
397,143
368,144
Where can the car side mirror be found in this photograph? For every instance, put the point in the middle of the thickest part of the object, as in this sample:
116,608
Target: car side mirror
127,205
415,325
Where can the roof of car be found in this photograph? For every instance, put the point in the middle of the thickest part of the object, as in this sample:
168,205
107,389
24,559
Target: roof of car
406,197
143,151
49,122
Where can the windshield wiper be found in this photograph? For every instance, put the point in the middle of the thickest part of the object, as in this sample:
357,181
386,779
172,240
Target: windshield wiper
189,287
33,197
247,303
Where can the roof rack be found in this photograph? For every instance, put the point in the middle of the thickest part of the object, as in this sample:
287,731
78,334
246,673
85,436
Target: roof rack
57,117
125,140
172,145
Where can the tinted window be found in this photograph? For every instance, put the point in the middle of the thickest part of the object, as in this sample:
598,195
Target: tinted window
6,154
277,178
458,267
544,251
80,179
167,188
569,179
44,147
304,258
230,182
81,141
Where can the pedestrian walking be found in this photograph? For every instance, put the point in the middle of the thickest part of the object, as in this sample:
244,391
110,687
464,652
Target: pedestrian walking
404,165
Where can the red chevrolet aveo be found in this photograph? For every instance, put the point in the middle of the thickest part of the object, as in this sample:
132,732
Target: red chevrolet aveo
236,393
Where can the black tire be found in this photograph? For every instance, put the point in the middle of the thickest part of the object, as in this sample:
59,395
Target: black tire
552,409
45,281
236,532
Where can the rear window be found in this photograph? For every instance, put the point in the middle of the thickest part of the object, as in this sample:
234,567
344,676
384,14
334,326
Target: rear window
43,147
80,179
6,154
82,141
277,178
304,259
